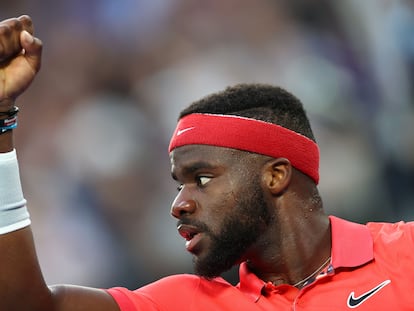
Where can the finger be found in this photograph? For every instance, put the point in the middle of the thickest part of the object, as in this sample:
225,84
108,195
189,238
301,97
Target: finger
9,38
33,49
27,23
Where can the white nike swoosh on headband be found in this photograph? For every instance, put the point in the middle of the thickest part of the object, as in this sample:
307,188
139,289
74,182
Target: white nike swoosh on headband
179,132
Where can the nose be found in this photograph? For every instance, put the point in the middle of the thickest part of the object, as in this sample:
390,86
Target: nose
182,206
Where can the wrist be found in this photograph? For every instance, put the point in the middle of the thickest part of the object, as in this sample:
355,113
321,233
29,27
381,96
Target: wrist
8,121
6,142
6,104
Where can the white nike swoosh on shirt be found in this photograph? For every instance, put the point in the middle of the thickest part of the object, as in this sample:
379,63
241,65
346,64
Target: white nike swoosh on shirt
354,302
179,132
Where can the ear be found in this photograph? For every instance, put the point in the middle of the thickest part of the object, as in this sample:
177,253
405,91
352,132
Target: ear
277,175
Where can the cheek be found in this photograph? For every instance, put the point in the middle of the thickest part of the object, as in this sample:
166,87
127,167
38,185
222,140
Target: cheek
220,206
223,199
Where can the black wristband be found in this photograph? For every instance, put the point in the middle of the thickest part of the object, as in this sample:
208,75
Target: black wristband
11,113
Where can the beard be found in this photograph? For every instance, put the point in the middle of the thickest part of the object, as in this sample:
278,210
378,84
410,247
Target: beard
241,229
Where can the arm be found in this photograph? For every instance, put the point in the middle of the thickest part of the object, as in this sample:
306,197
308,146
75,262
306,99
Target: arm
22,286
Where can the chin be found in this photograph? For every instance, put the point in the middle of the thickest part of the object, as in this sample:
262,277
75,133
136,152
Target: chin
209,268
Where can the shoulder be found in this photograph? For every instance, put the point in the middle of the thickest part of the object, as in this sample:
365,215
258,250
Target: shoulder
182,283
173,282
393,242
392,232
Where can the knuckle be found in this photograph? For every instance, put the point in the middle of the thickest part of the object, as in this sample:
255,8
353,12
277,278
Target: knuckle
26,22
25,19
11,25
5,30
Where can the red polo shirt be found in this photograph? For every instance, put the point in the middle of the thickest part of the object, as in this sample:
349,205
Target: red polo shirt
372,268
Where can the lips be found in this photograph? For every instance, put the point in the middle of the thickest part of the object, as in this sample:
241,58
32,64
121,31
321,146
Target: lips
192,236
187,232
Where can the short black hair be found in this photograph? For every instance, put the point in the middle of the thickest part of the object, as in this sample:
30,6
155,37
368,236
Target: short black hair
263,102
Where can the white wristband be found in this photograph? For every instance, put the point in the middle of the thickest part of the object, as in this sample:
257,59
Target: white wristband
13,211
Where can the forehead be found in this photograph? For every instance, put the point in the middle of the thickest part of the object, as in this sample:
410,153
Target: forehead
191,158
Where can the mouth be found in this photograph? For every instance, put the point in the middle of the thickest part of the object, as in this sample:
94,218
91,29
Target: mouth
187,232
191,235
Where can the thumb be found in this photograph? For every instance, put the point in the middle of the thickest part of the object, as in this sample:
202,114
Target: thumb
32,49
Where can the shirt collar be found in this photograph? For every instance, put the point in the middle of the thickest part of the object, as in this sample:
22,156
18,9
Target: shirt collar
352,243
352,246
250,284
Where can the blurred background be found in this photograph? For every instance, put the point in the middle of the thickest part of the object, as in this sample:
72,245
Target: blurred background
95,125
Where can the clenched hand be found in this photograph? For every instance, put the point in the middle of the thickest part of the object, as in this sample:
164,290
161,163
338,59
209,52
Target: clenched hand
20,58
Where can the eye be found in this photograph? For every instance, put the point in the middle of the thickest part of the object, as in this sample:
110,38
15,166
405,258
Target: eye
202,180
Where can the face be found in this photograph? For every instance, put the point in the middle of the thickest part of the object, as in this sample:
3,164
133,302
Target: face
220,206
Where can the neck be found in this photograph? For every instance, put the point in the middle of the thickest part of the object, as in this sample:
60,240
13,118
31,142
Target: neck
300,246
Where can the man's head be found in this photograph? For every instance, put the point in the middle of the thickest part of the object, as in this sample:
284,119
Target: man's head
222,205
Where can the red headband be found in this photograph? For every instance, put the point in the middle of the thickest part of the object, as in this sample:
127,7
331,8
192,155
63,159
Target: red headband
248,135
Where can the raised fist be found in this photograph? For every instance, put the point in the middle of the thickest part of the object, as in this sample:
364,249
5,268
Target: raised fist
20,58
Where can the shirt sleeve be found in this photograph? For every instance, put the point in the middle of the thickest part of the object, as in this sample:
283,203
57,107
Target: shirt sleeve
161,295
128,300
120,296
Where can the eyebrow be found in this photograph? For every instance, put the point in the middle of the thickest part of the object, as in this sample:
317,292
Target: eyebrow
194,167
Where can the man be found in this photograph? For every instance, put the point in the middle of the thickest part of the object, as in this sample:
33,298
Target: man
246,163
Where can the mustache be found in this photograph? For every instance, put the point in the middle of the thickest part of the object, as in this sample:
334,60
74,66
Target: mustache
201,227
